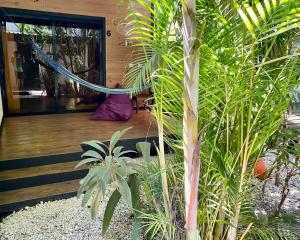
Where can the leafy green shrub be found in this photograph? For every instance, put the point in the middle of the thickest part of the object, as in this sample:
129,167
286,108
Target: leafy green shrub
111,171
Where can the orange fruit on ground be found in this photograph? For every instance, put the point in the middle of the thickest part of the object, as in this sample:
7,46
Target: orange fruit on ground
260,170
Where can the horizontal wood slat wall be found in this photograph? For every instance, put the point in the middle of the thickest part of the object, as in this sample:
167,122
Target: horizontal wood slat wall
117,53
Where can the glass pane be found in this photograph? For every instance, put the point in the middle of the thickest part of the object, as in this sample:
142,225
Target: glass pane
78,51
29,83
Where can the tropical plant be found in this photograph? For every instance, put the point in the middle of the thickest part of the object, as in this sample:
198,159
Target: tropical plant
154,220
243,89
110,171
191,141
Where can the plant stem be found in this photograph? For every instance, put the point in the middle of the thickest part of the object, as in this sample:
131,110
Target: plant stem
246,152
285,192
190,117
162,162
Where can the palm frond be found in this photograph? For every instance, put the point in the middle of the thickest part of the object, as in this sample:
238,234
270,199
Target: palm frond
267,19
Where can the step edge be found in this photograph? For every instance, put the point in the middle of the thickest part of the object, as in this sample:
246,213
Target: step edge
29,182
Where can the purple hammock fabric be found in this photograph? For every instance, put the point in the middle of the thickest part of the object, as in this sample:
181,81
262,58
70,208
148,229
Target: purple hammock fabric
117,107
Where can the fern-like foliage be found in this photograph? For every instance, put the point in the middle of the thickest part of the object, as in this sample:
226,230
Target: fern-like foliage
246,73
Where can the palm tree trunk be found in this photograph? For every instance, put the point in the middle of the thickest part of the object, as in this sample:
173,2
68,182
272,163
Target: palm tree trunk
190,118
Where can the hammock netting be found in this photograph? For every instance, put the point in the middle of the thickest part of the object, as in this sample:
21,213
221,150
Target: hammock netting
66,73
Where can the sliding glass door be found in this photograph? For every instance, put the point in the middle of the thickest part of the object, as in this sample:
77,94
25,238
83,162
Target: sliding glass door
31,86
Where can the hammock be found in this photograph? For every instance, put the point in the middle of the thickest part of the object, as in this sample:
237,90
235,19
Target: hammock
65,72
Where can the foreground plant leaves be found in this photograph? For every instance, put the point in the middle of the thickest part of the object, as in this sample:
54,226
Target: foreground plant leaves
124,189
110,209
112,168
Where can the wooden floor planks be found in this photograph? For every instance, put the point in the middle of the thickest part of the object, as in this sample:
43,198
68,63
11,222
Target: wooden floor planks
24,138
42,135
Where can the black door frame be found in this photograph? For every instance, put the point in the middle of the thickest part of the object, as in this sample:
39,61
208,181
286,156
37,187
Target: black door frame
7,14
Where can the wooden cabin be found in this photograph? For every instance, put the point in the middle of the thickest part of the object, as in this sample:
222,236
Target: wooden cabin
44,116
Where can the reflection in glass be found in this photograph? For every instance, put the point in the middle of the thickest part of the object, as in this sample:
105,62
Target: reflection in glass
29,82
78,51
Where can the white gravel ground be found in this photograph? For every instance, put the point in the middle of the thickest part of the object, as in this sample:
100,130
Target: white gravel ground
64,220
272,192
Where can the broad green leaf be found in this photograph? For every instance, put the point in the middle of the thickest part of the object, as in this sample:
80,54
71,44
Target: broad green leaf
96,144
91,179
109,210
125,152
126,159
121,164
96,203
80,191
116,137
124,189
117,151
136,229
90,175
128,171
105,180
108,162
86,197
86,187
121,172
91,153
134,185
86,161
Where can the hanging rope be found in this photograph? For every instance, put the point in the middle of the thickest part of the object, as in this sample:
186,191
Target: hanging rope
63,71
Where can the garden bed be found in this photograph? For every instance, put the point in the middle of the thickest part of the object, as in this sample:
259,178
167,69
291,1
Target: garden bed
64,220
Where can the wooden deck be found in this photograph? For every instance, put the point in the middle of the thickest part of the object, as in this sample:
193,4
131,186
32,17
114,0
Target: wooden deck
41,135
38,153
